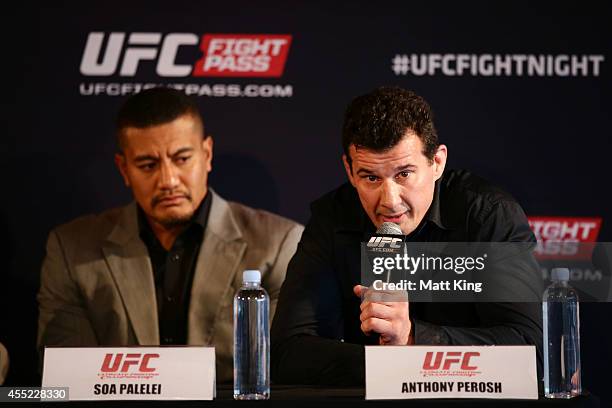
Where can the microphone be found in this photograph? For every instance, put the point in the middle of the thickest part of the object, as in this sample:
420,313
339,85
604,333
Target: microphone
385,229
389,228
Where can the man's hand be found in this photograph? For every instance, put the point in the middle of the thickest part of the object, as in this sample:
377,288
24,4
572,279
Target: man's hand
387,314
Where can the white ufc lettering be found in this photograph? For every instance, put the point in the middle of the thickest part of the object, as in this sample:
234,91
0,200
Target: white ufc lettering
140,47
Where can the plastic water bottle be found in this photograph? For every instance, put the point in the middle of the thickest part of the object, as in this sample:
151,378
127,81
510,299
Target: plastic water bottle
251,339
561,338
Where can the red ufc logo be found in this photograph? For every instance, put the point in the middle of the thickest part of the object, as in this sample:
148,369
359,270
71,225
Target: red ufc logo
111,365
449,358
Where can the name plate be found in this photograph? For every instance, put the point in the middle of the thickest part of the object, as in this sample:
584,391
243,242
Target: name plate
400,372
132,373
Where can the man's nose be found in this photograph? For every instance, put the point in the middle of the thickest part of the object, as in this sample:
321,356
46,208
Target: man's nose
390,195
168,177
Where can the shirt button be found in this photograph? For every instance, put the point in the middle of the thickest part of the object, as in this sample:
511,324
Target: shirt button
168,340
176,257
169,298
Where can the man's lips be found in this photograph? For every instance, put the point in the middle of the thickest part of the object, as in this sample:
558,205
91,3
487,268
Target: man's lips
171,200
392,217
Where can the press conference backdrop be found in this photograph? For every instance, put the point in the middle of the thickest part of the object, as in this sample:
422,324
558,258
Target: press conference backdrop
521,97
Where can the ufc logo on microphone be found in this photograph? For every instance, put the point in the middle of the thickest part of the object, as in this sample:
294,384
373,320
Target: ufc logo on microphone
446,360
380,242
139,360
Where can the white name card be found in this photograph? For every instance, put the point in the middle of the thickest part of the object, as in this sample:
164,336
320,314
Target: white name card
132,373
401,372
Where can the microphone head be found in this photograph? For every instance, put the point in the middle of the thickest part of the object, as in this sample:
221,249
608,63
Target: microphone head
389,228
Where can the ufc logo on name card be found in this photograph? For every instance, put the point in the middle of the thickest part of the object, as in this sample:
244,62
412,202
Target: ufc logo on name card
224,55
450,360
116,362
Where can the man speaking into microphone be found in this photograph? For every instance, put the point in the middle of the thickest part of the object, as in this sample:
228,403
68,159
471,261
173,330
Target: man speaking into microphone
396,173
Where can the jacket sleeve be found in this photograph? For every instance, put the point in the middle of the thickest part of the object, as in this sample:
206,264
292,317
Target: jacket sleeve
307,333
62,317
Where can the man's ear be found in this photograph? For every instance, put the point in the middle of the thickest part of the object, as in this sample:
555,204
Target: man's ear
121,164
439,161
348,169
207,148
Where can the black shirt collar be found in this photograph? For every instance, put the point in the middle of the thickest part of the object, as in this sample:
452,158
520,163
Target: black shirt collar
200,215
434,213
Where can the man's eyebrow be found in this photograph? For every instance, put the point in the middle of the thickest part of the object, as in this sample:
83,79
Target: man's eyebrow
396,170
405,167
150,157
145,157
182,150
364,171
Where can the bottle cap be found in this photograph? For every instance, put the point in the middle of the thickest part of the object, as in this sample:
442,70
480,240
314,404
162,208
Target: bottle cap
559,274
251,275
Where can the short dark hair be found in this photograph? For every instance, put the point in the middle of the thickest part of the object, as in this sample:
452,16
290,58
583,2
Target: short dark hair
155,106
379,120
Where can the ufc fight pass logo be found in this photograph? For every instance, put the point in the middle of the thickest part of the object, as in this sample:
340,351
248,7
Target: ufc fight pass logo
564,237
221,55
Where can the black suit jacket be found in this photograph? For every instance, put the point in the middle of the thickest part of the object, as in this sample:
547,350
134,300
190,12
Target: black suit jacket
316,336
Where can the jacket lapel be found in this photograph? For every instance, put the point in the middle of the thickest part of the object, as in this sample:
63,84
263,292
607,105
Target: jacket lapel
129,263
220,255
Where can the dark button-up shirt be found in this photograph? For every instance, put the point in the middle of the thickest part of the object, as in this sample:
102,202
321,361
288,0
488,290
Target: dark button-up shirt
173,272
316,336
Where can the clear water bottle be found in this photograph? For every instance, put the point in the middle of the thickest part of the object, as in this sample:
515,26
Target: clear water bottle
251,339
561,338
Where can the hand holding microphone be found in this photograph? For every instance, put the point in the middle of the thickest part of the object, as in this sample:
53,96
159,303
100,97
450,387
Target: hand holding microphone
391,320
384,312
